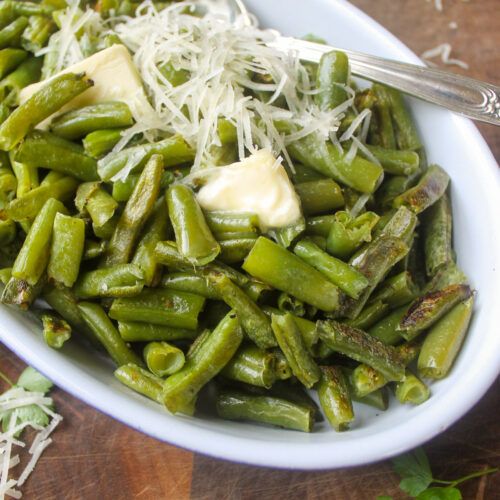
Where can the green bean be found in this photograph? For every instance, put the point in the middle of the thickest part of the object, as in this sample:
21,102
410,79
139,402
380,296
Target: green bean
378,399
365,379
252,365
386,329
319,196
442,343
396,290
287,272
331,78
8,185
236,405
235,237
320,225
257,290
218,348
65,304
80,122
380,256
173,150
396,162
401,225
155,230
305,174
26,175
100,142
45,150
391,188
361,347
431,186
235,250
348,279
429,307
43,103
411,390
284,236
292,344
359,174
56,330
10,35
282,369
189,282
122,280
26,73
287,303
93,199
254,322
192,234
141,381
136,211
106,231
34,254
333,394
10,9
66,250
135,331
385,124
447,275
162,358
29,204
105,331
160,307
223,222
20,293
370,314
122,189
11,59
37,33
177,77
7,232
437,236
93,249
406,134
348,233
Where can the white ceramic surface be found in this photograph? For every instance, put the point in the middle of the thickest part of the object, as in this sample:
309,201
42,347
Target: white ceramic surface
452,142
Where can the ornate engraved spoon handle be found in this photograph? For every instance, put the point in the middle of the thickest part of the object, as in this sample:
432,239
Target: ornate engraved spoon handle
463,95
469,97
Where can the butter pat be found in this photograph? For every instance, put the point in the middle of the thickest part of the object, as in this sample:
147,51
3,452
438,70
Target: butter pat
115,79
259,184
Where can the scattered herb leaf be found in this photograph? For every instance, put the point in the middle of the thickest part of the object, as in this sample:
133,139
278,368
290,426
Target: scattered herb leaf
33,381
415,469
439,493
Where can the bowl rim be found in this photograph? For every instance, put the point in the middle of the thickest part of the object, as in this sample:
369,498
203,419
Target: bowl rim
181,432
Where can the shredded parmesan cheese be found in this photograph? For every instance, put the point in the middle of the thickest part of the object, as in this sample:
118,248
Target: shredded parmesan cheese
223,58
443,50
14,399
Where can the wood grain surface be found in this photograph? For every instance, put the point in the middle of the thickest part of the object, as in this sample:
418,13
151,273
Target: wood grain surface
95,457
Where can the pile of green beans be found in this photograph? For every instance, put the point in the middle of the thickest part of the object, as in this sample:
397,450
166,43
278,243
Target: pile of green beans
360,296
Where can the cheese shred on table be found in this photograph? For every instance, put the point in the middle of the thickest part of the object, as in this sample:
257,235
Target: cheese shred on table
15,399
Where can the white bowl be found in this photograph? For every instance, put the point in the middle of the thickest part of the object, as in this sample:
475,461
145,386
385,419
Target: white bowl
452,142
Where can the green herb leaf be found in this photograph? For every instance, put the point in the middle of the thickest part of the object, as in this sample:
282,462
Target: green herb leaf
384,497
31,380
439,493
415,469
31,413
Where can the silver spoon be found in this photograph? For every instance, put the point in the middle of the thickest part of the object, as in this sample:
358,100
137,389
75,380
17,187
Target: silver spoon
463,95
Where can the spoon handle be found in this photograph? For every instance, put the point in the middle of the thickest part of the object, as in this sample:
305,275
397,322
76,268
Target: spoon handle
469,97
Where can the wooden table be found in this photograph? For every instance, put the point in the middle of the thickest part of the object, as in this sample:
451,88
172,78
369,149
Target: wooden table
93,456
